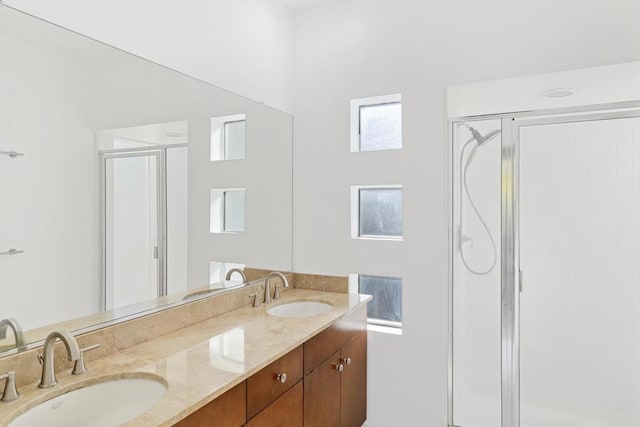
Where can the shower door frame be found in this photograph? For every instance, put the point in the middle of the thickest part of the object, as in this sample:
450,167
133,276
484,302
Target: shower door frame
510,274
160,153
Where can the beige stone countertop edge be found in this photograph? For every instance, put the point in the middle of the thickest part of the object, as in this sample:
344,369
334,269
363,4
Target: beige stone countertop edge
199,363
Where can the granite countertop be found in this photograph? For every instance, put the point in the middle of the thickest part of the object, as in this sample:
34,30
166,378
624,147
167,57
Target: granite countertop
202,361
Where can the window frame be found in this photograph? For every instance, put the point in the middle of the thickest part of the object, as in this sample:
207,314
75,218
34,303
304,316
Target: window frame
379,325
224,145
220,195
356,122
356,211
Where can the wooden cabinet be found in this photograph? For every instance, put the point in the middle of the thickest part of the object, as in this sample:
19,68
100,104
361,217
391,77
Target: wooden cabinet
265,386
335,381
228,410
353,408
325,386
322,394
285,411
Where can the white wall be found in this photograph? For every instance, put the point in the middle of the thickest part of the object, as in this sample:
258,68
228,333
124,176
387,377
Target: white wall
360,48
244,46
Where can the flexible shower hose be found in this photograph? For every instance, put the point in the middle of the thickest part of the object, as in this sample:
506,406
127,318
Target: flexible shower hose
464,186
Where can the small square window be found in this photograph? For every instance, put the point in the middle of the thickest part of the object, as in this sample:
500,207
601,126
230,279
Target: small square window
385,309
376,212
228,137
376,123
381,127
227,210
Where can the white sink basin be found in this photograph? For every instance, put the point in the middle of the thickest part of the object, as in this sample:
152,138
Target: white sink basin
105,404
300,309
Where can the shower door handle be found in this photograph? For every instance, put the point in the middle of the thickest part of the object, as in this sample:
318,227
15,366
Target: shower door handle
520,275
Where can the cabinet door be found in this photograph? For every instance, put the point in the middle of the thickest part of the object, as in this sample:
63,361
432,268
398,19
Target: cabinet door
322,394
354,382
228,410
286,411
264,386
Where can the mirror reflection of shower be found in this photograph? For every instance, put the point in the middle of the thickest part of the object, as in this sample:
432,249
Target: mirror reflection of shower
144,172
464,241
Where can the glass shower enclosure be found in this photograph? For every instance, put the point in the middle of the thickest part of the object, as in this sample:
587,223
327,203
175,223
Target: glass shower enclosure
544,289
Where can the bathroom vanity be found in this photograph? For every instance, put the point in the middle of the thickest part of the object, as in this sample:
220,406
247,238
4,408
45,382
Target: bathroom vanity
244,367
320,383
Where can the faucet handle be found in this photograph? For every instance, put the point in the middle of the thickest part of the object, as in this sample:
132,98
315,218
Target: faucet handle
40,358
256,300
276,292
10,391
79,367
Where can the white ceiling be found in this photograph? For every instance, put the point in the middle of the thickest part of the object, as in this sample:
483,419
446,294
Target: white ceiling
302,4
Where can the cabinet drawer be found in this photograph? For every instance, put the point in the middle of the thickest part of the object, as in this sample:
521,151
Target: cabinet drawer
264,387
228,410
286,411
322,346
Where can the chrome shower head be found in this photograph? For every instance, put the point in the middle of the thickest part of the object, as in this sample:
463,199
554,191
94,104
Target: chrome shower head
483,139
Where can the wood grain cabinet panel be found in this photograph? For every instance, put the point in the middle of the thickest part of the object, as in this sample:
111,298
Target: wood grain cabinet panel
326,385
319,348
286,411
265,386
353,407
228,410
322,394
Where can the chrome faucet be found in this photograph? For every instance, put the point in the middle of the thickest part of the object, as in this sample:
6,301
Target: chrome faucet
236,270
10,392
17,330
47,360
267,291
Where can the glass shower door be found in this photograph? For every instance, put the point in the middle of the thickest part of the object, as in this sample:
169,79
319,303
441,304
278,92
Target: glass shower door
579,241
132,221
475,382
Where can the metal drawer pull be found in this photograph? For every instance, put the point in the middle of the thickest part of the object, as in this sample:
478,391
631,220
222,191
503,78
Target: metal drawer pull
281,377
12,154
345,360
339,367
12,251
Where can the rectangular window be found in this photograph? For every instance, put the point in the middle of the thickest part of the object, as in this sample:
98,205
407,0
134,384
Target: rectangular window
234,138
228,137
385,309
227,210
234,211
376,212
376,123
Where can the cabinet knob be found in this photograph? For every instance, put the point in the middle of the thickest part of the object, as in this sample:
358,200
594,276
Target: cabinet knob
345,360
281,378
339,367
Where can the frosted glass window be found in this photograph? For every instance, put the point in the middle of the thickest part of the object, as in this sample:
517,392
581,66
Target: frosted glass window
380,212
228,137
386,306
227,210
234,211
381,127
234,138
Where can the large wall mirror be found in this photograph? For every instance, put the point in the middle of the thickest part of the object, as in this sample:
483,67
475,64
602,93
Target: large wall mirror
126,186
